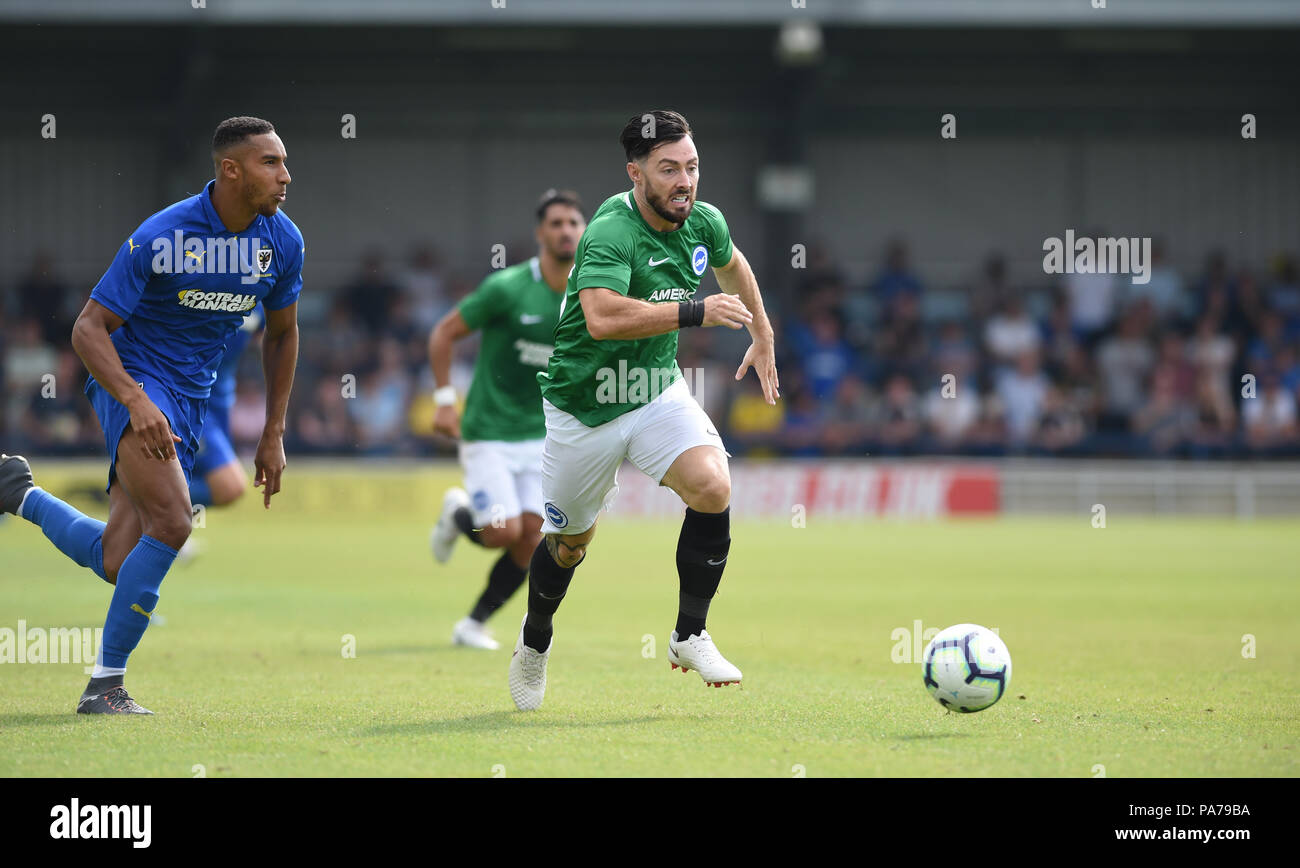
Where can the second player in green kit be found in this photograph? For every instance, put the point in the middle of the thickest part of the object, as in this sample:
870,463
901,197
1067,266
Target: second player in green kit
501,433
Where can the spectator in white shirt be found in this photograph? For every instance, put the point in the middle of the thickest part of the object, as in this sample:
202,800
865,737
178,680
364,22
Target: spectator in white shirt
1269,417
951,419
1092,302
1011,333
1022,390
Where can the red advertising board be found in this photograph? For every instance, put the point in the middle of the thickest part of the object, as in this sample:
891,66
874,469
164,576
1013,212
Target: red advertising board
829,488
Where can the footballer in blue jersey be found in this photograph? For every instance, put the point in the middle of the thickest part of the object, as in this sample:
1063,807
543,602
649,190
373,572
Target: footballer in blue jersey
217,478
152,336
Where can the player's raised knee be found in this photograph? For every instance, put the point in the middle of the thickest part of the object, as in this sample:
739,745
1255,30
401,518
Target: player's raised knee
567,551
227,486
170,527
711,491
500,536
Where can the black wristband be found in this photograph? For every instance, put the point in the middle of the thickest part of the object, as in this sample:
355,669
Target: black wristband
690,313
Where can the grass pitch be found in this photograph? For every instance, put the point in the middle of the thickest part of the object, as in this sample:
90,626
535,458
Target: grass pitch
1127,645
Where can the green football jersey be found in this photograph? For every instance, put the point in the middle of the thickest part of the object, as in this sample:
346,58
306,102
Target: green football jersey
596,381
517,312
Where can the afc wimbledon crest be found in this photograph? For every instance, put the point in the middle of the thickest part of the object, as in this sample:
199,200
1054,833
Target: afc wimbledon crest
264,259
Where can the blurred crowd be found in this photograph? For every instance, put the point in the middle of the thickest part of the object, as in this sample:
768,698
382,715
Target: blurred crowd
1198,365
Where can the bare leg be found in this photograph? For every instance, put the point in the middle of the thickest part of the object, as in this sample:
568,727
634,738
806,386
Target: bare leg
122,531
160,521
158,492
530,534
518,536
701,479
501,536
227,483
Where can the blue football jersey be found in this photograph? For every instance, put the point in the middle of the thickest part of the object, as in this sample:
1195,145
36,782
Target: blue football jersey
223,390
183,285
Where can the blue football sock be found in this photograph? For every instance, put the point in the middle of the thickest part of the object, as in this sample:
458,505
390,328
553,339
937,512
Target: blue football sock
134,599
77,535
200,492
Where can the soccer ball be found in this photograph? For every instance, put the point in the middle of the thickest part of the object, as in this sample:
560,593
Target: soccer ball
966,668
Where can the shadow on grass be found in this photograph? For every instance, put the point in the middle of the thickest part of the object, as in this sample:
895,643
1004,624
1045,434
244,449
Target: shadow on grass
35,719
496,720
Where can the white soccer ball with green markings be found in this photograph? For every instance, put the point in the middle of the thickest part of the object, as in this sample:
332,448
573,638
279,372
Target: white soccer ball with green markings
966,668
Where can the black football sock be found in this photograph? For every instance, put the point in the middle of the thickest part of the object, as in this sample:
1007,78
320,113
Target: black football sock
503,581
548,582
691,614
701,557
465,521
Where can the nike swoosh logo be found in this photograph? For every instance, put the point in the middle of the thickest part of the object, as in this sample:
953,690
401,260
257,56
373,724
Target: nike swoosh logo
135,607
710,432
530,318
653,263
717,563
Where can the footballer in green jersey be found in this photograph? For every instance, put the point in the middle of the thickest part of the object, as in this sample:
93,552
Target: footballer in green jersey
613,391
502,431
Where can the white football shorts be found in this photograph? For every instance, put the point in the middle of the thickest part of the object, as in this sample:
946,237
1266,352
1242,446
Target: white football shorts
504,479
580,464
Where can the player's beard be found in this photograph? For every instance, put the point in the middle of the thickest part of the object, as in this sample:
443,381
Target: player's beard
269,208
560,255
265,205
661,207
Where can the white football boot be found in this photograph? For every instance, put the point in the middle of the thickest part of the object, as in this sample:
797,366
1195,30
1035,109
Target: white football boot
700,654
445,533
528,673
473,634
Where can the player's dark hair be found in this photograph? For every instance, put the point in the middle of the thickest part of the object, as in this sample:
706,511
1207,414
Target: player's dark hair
558,197
647,131
232,131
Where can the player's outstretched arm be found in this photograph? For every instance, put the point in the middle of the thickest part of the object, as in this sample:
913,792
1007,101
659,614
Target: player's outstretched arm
451,328
91,340
737,278
612,316
279,359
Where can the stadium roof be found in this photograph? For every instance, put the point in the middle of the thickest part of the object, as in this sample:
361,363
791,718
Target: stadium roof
907,13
